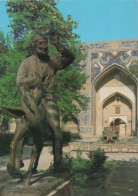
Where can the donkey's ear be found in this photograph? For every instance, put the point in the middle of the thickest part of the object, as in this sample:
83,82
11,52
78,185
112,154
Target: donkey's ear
13,112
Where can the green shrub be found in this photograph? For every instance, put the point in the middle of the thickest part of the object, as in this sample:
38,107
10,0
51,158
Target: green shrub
81,180
108,164
5,141
90,171
86,172
80,165
98,158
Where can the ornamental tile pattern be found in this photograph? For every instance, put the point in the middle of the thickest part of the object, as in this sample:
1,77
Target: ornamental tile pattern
99,61
105,54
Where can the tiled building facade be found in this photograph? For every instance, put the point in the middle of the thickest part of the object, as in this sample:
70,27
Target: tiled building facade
113,92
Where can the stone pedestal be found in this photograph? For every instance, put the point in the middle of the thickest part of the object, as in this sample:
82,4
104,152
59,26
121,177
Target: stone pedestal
42,185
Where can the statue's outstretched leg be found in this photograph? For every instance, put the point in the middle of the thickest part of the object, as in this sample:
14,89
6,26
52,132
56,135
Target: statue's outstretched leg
34,156
19,134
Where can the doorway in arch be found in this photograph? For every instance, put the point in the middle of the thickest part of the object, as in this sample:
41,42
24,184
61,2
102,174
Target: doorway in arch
120,125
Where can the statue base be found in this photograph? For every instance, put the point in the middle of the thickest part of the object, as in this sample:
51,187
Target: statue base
42,184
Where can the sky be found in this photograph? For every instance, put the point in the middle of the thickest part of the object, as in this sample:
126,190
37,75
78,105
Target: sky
99,20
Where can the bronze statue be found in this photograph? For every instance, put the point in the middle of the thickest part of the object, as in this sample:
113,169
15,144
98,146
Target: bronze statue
39,113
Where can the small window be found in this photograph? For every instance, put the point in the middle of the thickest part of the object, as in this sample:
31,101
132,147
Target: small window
117,110
117,77
117,99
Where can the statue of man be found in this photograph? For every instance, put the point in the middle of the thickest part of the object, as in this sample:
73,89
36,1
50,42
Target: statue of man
40,70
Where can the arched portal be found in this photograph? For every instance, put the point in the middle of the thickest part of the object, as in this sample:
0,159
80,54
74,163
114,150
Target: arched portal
116,89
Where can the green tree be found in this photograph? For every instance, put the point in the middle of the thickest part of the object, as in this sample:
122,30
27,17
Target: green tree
4,47
133,68
9,93
29,18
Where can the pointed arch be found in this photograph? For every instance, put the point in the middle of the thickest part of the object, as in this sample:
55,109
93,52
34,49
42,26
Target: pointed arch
114,94
110,69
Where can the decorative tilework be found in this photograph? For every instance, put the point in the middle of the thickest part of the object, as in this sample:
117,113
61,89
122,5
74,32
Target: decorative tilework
84,117
94,56
85,62
99,46
129,44
101,60
134,53
112,45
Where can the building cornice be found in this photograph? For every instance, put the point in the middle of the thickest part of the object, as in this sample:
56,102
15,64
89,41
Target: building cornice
117,45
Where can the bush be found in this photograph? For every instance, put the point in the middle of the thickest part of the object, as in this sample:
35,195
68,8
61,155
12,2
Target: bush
98,157
86,172
5,141
108,165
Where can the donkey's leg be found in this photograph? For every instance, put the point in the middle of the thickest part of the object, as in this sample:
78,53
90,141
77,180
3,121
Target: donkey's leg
52,116
57,147
18,155
19,134
19,150
39,145
57,152
30,170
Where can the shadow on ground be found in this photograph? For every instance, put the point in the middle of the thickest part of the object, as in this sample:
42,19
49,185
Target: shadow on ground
42,184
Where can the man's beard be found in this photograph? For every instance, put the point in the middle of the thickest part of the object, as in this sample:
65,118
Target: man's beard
42,53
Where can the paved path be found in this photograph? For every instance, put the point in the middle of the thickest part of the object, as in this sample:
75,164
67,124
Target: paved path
123,180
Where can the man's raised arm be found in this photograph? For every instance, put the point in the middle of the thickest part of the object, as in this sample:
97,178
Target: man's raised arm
67,56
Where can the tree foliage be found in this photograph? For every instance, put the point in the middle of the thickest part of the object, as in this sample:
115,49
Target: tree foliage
133,68
4,46
41,16
32,17
9,93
